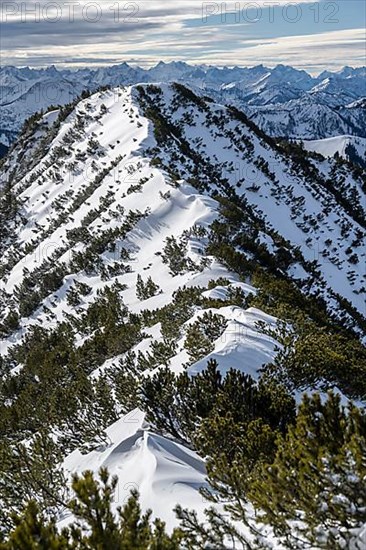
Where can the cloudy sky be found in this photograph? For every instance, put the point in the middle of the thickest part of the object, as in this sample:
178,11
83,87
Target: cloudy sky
311,35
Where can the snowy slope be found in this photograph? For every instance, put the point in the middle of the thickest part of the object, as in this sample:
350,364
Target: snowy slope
184,207
162,470
108,176
180,209
339,144
239,165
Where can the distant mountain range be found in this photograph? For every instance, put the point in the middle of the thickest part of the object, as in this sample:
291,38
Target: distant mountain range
349,147
283,101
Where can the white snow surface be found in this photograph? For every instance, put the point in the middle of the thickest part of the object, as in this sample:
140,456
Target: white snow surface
338,144
165,472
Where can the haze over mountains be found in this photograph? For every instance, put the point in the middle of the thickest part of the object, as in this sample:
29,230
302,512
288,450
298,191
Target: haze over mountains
283,101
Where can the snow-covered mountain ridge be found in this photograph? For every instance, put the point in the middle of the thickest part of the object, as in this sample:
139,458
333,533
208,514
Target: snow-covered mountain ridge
131,222
248,161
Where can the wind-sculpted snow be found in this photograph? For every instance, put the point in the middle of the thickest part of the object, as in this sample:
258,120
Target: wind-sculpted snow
121,193
303,208
96,163
162,470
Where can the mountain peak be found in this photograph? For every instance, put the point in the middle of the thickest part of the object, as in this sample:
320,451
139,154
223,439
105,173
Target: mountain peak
249,88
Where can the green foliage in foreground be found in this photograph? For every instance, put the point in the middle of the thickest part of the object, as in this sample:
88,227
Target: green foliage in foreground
323,460
312,494
95,525
213,412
